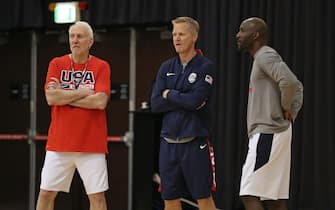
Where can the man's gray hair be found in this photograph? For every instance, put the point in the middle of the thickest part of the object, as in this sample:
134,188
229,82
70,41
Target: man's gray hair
84,24
193,24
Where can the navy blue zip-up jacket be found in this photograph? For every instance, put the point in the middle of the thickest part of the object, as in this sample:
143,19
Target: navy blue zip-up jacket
189,89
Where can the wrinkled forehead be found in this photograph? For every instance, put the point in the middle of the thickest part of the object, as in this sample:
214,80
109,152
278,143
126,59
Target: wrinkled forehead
77,29
183,27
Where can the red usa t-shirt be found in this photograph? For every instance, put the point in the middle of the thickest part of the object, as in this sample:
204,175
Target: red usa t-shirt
74,129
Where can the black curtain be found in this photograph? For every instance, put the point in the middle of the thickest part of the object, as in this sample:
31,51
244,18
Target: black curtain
302,31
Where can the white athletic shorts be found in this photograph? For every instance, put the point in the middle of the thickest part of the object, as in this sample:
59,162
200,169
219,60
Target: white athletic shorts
59,168
266,171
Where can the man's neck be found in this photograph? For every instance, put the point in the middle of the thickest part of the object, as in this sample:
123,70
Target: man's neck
255,48
80,59
186,57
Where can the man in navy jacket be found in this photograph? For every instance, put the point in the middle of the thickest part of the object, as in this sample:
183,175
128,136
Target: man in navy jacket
182,91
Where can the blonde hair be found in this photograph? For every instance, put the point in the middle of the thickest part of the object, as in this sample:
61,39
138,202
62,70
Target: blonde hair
85,25
193,24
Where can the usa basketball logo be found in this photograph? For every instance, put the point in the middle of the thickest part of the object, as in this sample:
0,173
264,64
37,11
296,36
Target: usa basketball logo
192,77
77,79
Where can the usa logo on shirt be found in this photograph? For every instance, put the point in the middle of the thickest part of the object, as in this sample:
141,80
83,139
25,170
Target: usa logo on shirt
77,79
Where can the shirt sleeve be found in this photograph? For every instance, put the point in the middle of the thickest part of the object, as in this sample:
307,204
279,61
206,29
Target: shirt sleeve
297,100
158,103
103,79
273,66
200,92
53,71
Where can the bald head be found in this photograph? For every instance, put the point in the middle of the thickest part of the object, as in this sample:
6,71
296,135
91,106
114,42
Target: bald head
252,34
256,24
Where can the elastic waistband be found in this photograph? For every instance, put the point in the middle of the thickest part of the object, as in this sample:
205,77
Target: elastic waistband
179,140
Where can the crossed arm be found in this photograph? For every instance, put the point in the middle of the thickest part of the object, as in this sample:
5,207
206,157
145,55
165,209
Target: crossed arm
83,98
164,99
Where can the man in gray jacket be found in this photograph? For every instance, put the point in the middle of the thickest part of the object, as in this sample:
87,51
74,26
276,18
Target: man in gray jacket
275,98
